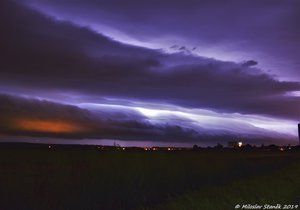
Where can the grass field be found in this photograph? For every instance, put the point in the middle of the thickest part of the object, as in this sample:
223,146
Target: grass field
89,179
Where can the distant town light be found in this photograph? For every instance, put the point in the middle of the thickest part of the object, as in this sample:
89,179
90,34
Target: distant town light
169,149
240,144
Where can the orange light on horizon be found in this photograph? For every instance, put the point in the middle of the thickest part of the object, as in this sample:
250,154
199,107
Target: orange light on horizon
47,126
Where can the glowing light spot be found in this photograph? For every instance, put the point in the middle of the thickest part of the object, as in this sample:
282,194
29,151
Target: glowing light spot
47,126
293,93
149,112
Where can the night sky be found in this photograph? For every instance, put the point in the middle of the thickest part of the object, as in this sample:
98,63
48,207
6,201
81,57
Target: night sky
177,72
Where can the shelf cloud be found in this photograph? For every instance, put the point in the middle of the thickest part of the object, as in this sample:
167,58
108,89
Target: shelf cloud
43,56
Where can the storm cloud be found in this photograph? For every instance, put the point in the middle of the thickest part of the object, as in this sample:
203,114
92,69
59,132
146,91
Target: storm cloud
39,118
266,31
42,53
42,56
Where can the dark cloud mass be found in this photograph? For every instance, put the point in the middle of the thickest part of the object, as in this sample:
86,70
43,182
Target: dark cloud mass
250,63
22,116
40,118
41,53
264,30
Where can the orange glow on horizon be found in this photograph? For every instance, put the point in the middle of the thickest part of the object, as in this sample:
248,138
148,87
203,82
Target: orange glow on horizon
47,126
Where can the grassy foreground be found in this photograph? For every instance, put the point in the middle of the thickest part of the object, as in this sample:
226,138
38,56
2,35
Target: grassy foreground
281,187
88,179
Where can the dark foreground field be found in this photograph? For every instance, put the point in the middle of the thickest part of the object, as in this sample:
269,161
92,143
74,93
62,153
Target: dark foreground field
89,179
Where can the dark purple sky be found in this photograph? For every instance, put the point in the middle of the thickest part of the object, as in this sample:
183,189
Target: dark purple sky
168,71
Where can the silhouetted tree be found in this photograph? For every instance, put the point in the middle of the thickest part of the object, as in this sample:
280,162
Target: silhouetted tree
195,147
247,147
219,146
